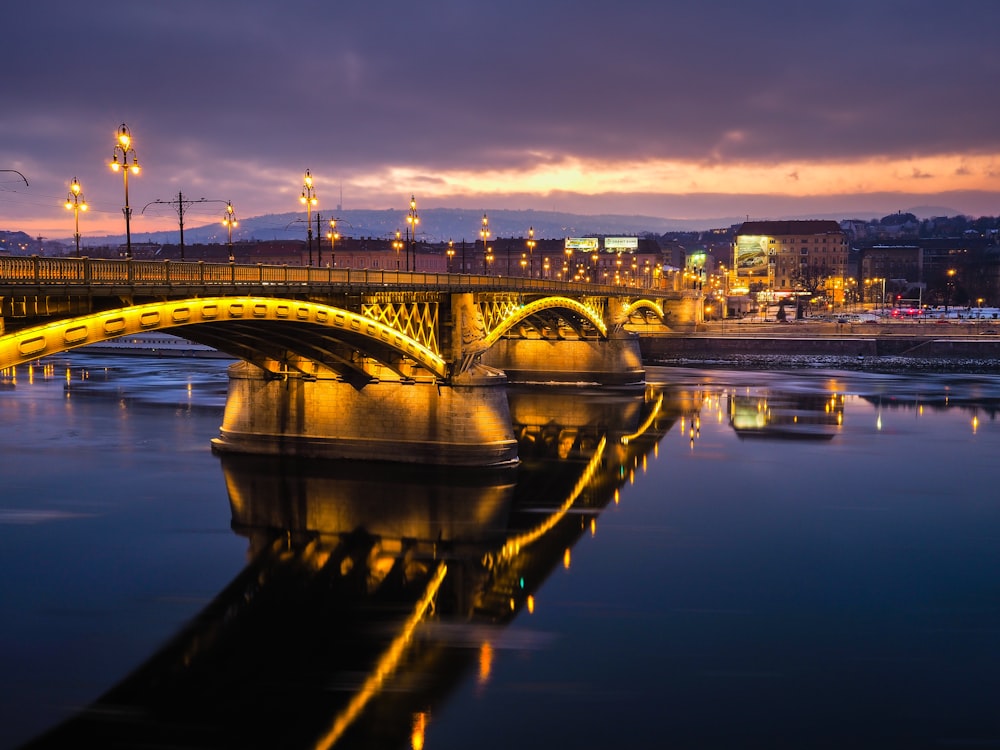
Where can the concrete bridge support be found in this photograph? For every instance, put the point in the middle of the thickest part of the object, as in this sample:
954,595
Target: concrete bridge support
466,423
612,361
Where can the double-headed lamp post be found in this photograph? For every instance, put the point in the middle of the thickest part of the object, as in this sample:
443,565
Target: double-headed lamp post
229,221
485,234
397,244
451,253
76,203
308,199
333,237
531,252
129,163
411,234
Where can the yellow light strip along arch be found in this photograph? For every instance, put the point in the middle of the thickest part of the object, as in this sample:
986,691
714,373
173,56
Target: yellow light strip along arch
646,304
545,304
52,338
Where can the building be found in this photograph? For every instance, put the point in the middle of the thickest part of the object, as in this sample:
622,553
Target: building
791,258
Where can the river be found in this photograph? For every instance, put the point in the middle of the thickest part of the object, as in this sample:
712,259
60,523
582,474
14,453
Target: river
797,558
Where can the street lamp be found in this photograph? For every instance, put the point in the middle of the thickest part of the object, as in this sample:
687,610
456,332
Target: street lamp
76,203
229,221
451,253
411,231
485,234
308,199
397,246
129,163
531,251
333,237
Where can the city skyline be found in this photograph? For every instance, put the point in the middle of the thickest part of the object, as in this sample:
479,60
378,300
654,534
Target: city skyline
674,110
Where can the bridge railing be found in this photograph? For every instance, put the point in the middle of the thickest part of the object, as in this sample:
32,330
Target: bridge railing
98,272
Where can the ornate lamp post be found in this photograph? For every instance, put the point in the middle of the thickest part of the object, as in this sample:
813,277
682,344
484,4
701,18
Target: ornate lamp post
411,232
333,237
485,234
76,203
451,253
531,251
397,245
308,199
129,163
229,221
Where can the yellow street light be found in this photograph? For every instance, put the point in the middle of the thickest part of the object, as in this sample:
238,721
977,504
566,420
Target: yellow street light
308,199
485,234
333,236
411,232
229,221
129,163
397,245
76,203
451,253
531,251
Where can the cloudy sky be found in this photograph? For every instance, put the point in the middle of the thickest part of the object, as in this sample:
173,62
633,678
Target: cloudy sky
690,109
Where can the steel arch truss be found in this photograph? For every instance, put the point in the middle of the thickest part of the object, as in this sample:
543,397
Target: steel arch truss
414,318
644,308
274,334
503,315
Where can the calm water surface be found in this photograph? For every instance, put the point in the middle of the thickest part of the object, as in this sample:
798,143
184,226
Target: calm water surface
726,559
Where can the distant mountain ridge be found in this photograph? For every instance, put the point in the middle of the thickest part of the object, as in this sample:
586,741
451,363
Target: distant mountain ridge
443,224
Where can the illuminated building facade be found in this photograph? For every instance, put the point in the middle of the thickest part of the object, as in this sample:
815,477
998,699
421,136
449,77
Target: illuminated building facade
791,257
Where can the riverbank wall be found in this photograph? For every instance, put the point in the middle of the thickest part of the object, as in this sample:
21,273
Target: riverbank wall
806,340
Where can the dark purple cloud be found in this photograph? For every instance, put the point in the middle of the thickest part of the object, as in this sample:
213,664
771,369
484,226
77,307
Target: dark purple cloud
234,100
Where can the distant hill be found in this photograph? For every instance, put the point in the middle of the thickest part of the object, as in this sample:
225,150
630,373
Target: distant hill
436,225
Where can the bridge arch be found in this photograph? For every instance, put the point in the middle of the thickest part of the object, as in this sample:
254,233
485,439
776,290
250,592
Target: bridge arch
255,330
533,308
642,306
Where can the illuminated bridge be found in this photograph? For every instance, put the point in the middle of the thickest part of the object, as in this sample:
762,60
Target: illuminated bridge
348,363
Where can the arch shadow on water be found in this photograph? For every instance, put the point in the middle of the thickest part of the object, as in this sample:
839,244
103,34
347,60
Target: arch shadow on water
372,590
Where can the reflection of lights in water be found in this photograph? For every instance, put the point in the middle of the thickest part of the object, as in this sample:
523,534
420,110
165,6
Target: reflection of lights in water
593,525
878,421
975,423
531,604
514,545
485,662
419,730
646,424
617,496
385,665
566,559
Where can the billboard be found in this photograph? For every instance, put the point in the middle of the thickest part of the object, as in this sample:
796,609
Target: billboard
621,244
582,244
751,255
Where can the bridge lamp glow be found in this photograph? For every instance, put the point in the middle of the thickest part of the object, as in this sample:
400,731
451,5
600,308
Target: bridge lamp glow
451,253
308,199
397,245
411,233
229,221
531,251
333,236
76,203
485,234
129,163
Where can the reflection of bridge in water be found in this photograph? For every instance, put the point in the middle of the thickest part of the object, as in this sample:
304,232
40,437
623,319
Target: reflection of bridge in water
373,591
337,363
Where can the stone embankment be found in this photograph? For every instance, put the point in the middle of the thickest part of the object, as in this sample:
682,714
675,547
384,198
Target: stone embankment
965,347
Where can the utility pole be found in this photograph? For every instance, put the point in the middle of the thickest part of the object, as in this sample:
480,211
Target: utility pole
180,204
